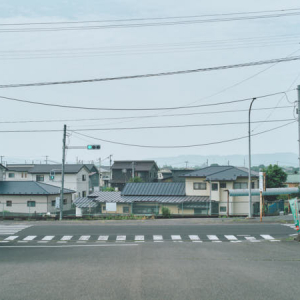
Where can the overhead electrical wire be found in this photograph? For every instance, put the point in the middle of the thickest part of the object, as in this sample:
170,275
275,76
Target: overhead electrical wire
182,146
145,127
151,24
138,109
225,67
140,117
149,18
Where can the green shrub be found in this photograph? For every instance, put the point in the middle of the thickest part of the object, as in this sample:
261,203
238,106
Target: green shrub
166,212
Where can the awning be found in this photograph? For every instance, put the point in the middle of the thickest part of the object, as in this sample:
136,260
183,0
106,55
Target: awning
268,192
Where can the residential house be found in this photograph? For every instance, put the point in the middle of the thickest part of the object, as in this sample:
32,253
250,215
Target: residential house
215,181
293,180
76,176
177,175
145,199
123,171
94,177
28,197
105,175
2,172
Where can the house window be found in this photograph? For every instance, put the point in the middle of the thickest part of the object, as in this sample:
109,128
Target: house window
103,208
83,177
240,185
53,203
252,185
223,185
83,193
125,209
8,203
214,187
65,201
30,203
223,209
11,175
39,177
199,185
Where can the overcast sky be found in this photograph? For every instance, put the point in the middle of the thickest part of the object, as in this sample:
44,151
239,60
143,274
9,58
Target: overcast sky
85,54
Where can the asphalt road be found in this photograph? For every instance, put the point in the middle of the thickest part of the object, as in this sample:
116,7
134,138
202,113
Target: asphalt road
149,270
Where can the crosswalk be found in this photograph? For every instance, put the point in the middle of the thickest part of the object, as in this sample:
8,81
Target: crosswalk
11,229
289,225
63,239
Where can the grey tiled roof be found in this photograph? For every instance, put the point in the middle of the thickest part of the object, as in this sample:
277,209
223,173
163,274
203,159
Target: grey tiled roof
154,189
29,188
139,165
107,196
165,199
84,202
46,168
2,167
221,173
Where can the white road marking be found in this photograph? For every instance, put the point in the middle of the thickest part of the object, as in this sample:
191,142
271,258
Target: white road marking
103,238
73,246
195,238
12,229
66,237
231,237
158,238
121,238
48,238
11,238
176,238
84,238
29,238
252,239
139,238
213,237
267,237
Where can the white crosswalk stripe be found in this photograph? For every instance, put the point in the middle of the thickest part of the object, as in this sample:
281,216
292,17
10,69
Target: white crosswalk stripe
214,238
157,238
232,239
84,238
176,238
12,229
195,238
48,238
252,239
103,238
29,238
11,238
139,238
121,238
66,238
267,237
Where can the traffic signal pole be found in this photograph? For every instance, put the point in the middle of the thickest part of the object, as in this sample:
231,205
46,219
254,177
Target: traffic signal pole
63,174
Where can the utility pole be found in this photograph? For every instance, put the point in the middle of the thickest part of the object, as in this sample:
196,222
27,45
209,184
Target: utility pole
299,123
207,162
46,159
133,170
1,158
63,174
186,164
110,171
99,171
249,171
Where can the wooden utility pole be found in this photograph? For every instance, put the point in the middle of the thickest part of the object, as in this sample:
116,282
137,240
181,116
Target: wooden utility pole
63,174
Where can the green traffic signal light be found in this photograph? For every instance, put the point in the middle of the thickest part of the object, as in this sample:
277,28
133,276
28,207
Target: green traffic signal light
89,147
93,147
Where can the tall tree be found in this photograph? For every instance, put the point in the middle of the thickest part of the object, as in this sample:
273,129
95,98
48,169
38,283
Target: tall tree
275,176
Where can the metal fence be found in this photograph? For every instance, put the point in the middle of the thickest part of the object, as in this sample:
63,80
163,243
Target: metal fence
143,209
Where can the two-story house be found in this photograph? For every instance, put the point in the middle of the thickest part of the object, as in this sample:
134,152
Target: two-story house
2,172
76,176
215,181
123,171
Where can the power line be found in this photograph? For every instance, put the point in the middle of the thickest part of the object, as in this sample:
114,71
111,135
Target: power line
226,67
141,117
182,146
137,109
150,24
145,127
147,19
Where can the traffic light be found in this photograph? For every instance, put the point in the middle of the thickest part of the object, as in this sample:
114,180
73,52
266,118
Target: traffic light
93,147
52,175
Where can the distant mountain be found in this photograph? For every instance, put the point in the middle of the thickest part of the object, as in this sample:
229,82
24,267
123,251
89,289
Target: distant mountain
282,159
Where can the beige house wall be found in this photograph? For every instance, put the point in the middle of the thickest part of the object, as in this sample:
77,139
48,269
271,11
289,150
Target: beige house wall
43,203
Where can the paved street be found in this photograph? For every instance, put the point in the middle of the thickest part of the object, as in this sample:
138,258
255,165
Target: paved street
72,260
